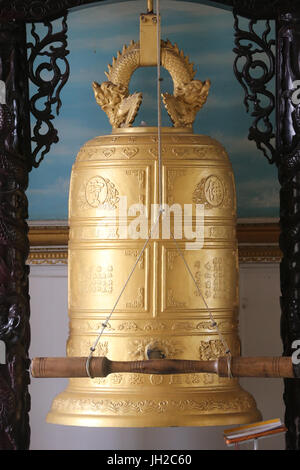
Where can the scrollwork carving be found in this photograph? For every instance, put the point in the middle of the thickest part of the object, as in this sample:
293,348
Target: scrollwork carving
37,10
53,47
288,133
14,248
249,47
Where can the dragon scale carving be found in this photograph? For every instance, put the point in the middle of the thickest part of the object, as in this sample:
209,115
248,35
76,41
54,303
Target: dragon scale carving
188,97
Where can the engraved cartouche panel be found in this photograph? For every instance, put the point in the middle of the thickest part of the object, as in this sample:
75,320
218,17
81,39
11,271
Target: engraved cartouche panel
96,279
98,188
193,184
214,272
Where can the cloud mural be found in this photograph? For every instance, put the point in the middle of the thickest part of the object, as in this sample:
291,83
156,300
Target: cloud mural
206,35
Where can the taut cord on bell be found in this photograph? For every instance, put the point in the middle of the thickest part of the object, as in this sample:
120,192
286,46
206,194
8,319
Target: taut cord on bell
161,210
159,105
213,322
104,324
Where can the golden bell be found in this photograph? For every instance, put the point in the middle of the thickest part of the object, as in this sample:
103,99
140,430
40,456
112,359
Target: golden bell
161,313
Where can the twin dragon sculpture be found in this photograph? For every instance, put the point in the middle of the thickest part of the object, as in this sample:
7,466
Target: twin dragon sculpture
121,107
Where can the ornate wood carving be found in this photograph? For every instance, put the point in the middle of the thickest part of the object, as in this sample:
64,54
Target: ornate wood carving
37,10
288,144
260,9
249,48
14,299
52,47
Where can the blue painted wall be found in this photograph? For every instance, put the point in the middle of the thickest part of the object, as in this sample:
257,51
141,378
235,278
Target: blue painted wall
206,35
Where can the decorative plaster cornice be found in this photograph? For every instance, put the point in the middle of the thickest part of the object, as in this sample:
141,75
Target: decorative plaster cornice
258,243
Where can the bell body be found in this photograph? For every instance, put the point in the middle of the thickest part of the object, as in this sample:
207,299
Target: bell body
161,312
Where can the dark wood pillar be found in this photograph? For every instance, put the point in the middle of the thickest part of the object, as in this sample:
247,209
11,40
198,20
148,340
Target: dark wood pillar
15,155
288,151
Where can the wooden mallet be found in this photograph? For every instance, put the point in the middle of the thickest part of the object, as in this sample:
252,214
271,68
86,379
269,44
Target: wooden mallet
72,367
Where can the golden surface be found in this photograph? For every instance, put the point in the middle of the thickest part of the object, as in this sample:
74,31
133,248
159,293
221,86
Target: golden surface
148,39
161,308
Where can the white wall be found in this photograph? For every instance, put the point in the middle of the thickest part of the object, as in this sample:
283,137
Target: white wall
259,332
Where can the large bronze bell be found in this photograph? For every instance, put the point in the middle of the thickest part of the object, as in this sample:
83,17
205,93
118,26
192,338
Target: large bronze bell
160,313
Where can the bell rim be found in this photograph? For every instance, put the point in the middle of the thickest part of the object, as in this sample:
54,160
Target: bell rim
226,419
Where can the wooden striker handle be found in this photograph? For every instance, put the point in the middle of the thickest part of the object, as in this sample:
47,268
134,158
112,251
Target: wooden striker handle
50,367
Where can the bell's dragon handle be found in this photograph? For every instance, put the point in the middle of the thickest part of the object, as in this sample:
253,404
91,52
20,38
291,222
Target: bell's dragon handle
121,107
50,367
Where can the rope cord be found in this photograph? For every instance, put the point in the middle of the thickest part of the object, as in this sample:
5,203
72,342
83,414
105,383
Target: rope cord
159,79
104,324
161,210
213,322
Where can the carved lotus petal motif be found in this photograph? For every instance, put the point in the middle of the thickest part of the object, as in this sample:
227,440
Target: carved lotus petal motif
179,152
130,152
108,152
154,151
